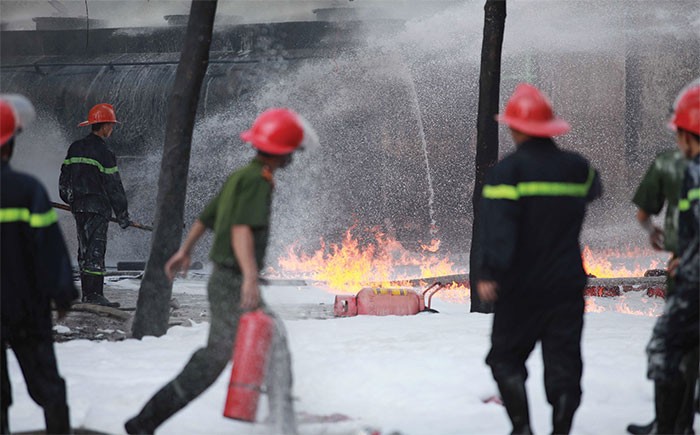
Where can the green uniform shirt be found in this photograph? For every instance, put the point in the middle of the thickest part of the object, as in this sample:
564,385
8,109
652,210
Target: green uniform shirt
244,199
662,183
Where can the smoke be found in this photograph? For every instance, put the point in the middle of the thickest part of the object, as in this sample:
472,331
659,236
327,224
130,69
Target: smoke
576,51
360,100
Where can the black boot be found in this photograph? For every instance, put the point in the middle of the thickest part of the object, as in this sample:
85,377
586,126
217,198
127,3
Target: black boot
162,406
668,400
563,414
5,422
93,288
638,429
686,413
515,400
57,419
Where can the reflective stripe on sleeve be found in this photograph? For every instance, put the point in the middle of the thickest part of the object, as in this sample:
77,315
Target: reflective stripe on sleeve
693,195
35,220
539,188
93,162
501,191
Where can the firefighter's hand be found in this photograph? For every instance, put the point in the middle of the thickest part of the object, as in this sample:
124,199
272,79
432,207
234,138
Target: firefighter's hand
656,238
179,262
673,266
250,294
124,223
487,290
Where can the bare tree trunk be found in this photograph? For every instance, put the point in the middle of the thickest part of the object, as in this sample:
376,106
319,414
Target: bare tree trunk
487,128
153,309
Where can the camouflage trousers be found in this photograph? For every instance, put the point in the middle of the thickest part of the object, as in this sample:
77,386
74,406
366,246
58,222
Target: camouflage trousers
207,363
675,336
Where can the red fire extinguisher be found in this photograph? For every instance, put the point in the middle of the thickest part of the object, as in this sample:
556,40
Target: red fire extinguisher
250,355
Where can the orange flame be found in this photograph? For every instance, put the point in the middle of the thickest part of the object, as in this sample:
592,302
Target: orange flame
432,247
601,266
350,265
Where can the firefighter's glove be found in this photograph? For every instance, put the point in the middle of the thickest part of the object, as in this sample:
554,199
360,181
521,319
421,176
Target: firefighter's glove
124,223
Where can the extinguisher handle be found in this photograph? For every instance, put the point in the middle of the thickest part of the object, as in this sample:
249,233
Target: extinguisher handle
433,288
430,287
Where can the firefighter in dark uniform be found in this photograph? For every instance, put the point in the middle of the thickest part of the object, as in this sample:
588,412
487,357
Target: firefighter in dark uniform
91,185
239,216
673,348
36,271
533,206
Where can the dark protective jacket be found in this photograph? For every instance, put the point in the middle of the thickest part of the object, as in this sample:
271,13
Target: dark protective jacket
36,268
689,226
532,210
90,181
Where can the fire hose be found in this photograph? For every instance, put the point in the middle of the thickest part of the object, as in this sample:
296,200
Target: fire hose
66,207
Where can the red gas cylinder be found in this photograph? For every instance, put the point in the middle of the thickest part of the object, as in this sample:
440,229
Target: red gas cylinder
387,302
250,355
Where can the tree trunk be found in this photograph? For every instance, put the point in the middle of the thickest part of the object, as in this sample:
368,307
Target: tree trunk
487,128
153,309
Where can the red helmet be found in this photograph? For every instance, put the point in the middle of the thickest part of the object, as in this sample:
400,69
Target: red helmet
102,112
275,131
8,122
686,112
16,112
530,112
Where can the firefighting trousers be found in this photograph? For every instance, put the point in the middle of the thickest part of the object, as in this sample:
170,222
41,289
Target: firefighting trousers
558,328
675,335
92,242
38,364
207,363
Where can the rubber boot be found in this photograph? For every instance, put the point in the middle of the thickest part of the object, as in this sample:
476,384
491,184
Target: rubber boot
5,422
668,400
686,412
638,429
515,400
162,406
57,419
563,414
93,288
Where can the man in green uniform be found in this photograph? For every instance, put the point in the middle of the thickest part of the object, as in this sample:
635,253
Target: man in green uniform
673,348
662,184
239,215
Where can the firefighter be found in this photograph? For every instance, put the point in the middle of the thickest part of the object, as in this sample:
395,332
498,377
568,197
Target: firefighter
91,185
673,348
239,216
660,187
533,206
36,271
